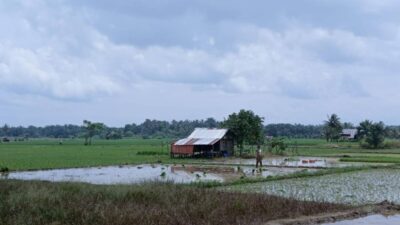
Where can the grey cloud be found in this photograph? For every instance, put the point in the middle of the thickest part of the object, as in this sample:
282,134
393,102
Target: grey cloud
303,50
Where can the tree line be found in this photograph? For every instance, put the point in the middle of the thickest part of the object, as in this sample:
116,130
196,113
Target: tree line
147,129
369,134
178,129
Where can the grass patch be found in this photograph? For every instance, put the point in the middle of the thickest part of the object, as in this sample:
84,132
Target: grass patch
371,159
37,154
4,169
48,154
151,153
152,203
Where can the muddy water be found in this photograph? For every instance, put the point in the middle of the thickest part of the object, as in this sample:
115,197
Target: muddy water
141,173
305,162
371,220
116,175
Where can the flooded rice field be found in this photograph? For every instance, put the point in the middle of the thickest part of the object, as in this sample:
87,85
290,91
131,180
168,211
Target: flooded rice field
357,188
142,173
371,220
298,162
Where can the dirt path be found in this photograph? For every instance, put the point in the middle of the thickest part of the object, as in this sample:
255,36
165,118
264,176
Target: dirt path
384,208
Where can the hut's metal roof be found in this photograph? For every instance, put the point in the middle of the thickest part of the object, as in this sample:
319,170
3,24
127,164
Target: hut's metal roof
350,132
203,136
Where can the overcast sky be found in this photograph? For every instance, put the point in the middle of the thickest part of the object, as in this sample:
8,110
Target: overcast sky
120,61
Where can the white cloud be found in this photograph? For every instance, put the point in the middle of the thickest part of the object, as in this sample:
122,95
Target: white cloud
55,50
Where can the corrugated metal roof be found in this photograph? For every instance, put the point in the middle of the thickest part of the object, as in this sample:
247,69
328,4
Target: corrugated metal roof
205,141
350,132
203,136
208,133
182,141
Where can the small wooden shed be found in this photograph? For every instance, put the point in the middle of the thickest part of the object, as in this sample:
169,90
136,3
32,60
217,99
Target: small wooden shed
205,142
349,134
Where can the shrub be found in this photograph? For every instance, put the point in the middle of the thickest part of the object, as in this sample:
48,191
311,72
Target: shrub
4,169
151,153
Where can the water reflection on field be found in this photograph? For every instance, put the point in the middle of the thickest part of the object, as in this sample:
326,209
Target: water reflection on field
371,220
300,162
156,172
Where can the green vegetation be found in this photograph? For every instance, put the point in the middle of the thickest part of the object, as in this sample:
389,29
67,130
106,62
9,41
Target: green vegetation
300,174
48,153
348,151
277,145
371,135
74,203
247,128
372,159
91,129
151,153
4,169
333,128
356,188
147,129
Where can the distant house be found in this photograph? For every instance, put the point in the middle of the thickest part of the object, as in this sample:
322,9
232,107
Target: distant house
205,142
349,134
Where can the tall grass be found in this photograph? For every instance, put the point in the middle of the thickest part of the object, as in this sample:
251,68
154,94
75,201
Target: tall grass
152,203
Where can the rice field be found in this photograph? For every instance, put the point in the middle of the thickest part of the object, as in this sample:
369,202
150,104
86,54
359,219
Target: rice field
38,154
355,188
126,161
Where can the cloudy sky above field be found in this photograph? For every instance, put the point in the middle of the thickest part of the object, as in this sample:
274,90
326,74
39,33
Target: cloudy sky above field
62,61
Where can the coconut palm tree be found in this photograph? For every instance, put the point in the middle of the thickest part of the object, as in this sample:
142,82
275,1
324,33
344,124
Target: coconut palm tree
363,129
332,128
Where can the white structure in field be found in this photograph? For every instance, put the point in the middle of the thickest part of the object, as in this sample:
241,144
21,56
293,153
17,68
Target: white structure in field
349,134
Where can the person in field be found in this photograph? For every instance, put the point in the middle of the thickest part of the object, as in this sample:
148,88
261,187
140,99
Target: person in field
259,157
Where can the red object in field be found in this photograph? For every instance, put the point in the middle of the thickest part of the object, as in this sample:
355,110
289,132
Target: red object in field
312,160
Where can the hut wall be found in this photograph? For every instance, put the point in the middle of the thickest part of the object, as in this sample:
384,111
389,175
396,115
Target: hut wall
227,145
182,149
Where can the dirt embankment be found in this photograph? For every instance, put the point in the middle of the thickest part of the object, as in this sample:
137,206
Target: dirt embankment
383,208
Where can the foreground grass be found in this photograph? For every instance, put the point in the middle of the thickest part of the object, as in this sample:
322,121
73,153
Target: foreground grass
67,203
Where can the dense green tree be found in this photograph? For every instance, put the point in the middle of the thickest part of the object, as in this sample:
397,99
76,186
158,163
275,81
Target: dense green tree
91,130
5,129
372,135
278,145
393,132
363,129
332,128
246,126
174,129
293,130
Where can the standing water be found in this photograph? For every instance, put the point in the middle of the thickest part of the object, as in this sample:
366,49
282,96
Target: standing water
116,175
141,173
371,220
